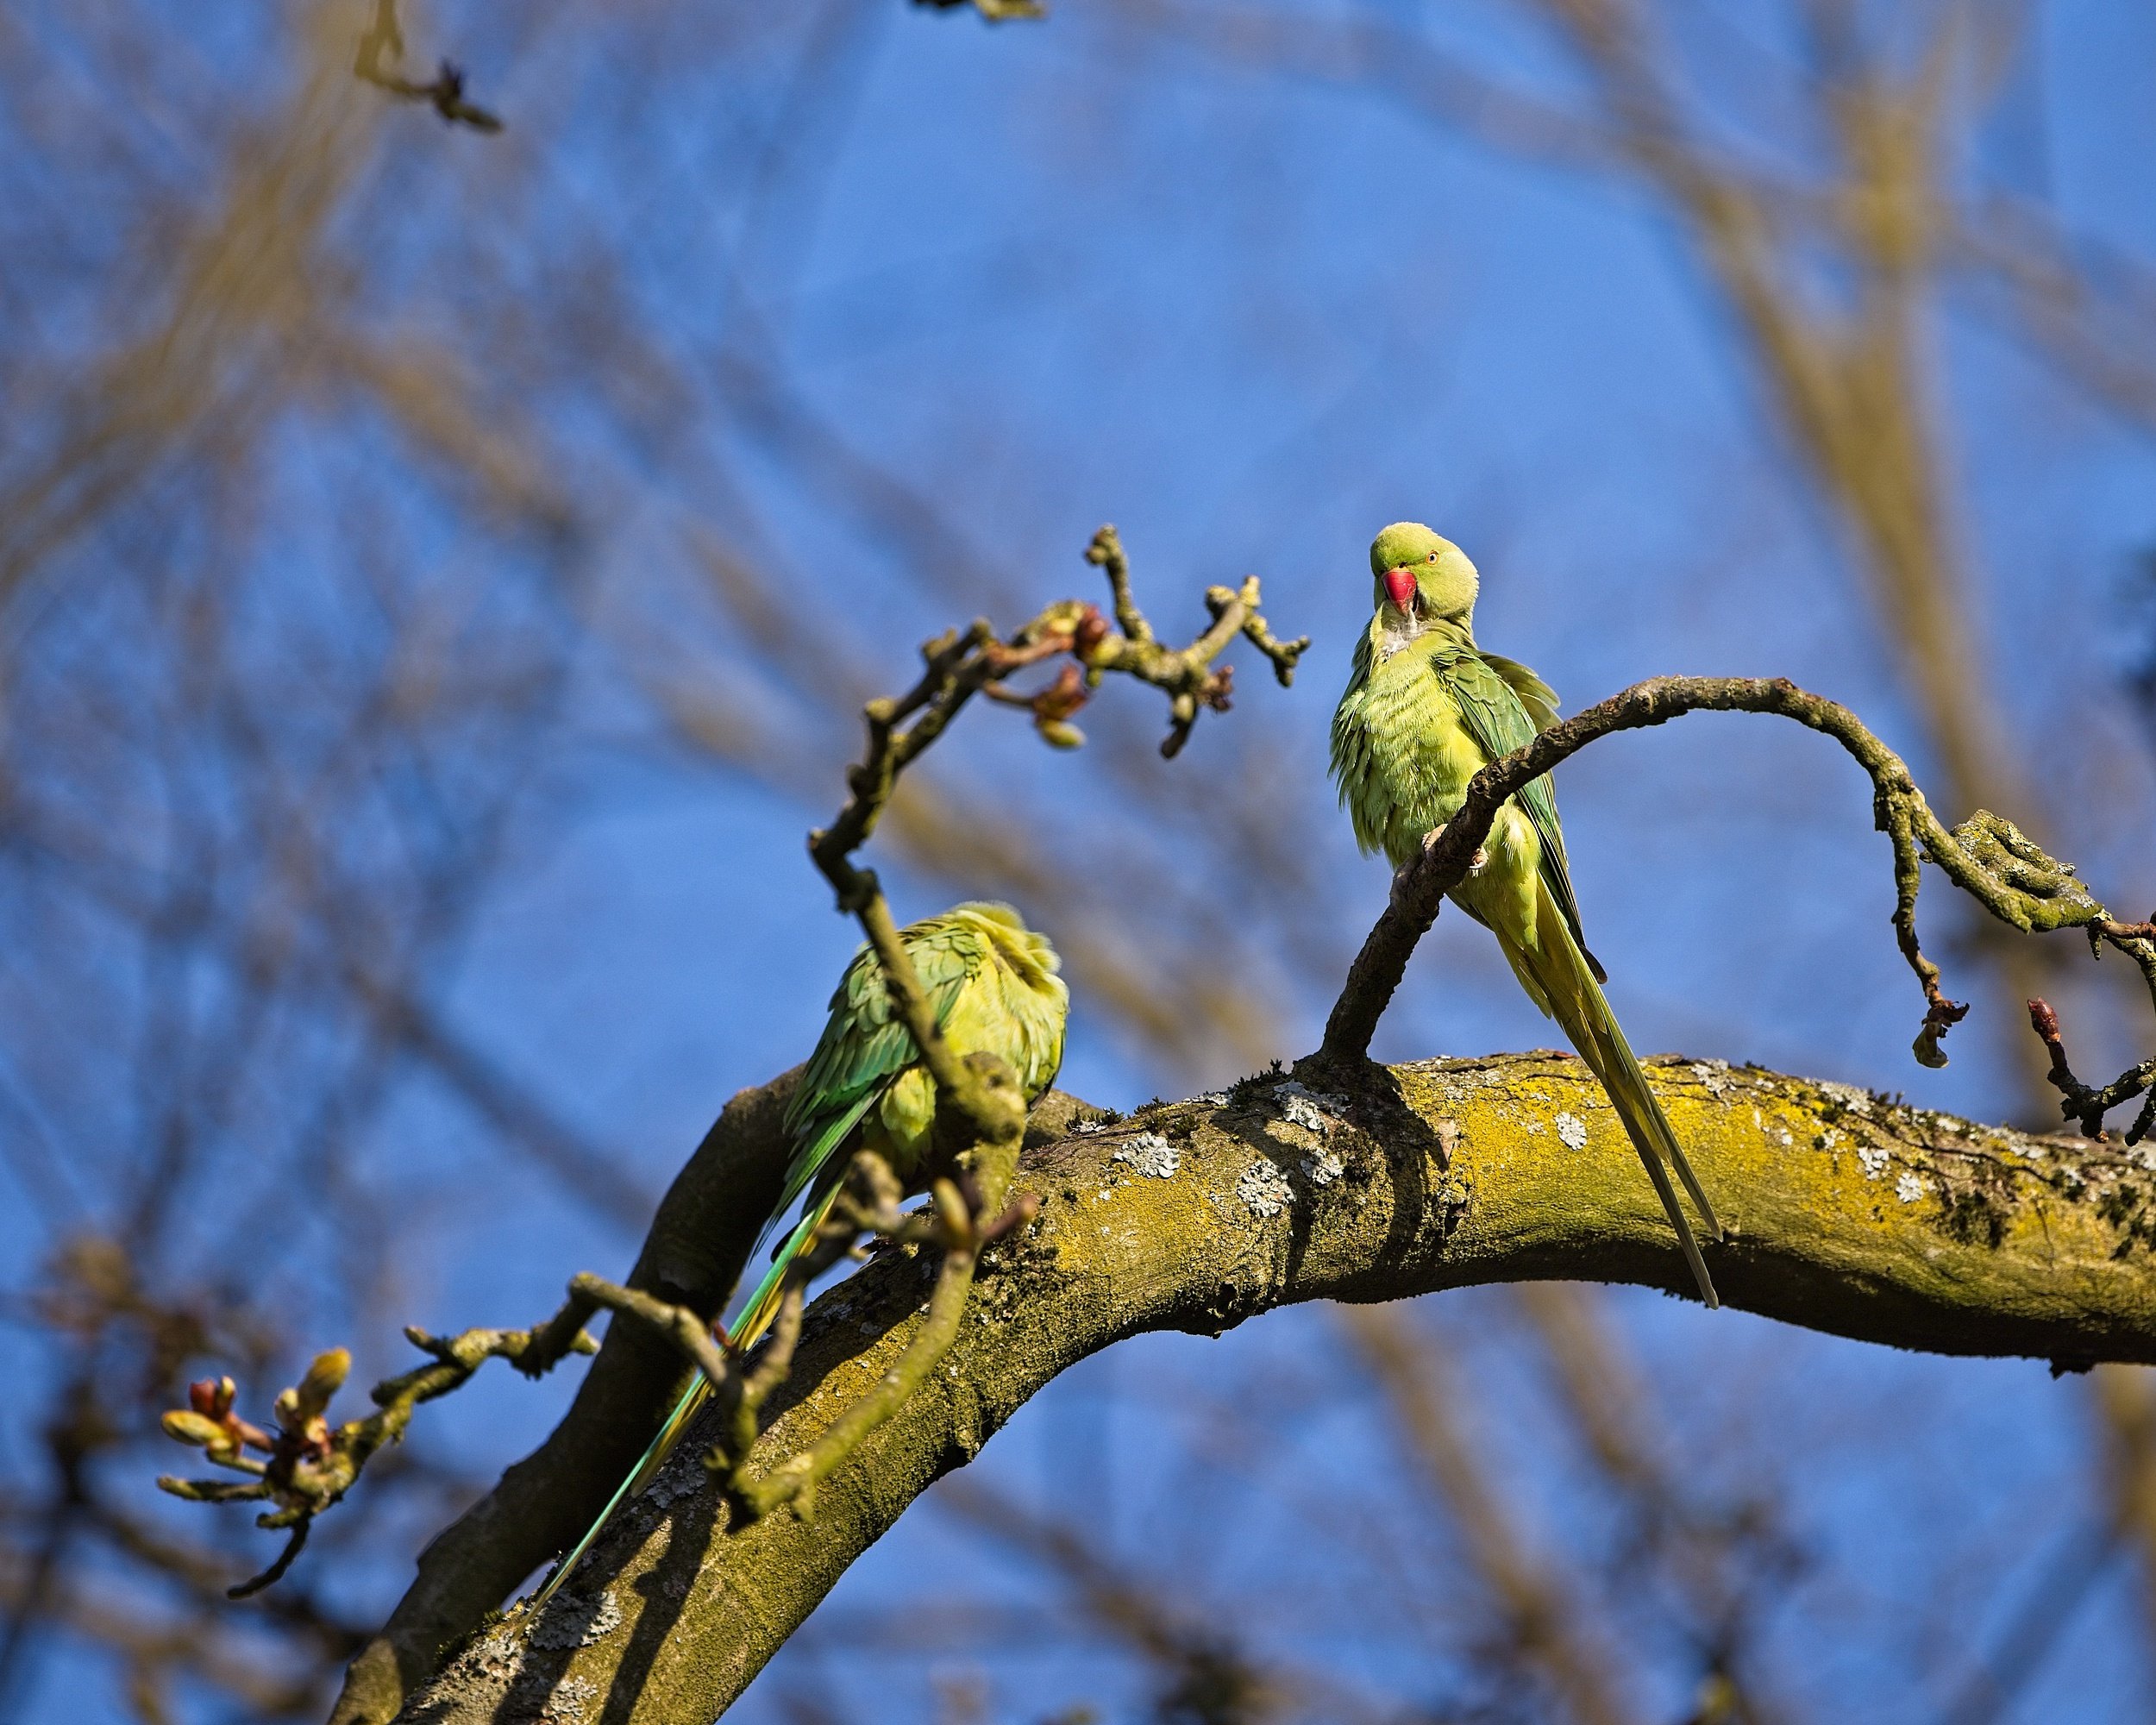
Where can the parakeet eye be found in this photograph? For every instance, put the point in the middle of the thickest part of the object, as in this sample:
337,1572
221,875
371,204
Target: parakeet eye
1433,556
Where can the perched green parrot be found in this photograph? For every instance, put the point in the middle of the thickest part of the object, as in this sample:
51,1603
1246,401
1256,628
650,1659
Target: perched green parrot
993,984
1425,710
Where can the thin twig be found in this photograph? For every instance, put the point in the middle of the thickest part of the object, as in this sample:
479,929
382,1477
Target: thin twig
1987,856
311,1464
383,46
2083,1105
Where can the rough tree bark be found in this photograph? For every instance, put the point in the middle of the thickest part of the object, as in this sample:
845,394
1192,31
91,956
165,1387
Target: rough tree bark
1848,1214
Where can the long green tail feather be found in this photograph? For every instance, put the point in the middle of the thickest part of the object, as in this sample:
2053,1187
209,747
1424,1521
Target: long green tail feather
749,1329
1563,978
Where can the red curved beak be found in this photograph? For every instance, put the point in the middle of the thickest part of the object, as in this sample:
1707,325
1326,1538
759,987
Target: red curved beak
1400,583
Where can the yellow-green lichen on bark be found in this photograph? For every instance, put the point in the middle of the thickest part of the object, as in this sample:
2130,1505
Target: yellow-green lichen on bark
1846,1212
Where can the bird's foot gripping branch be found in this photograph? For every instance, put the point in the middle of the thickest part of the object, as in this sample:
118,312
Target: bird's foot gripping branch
1986,857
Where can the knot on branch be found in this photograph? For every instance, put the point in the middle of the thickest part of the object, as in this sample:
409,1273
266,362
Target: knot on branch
2031,890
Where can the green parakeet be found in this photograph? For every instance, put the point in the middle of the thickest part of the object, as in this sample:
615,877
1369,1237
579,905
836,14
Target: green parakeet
1425,710
993,985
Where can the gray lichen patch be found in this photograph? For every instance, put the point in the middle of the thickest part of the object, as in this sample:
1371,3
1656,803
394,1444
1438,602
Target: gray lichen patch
567,1700
1149,1154
670,1488
498,1655
1856,1102
1713,1075
1314,1111
1571,1130
1264,1190
1322,1168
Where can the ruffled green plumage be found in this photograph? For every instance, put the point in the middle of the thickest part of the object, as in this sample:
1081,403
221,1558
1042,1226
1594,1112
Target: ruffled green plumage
1425,710
993,985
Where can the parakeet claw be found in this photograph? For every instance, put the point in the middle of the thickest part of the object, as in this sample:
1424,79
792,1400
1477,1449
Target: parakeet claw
1475,863
1400,880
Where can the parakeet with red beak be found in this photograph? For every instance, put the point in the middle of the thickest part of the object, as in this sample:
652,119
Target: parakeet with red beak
1425,710
993,985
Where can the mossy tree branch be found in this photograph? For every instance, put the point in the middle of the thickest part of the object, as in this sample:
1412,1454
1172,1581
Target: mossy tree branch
705,1230
1985,856
1848,1215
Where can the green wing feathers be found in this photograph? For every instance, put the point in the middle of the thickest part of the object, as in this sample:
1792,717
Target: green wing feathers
1504,705
864,1048
1539,699
993,986
1555,972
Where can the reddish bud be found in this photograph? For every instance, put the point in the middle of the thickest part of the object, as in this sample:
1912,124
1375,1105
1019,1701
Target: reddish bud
212,1397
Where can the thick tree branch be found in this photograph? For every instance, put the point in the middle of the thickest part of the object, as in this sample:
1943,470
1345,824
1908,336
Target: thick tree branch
703,1233
1848,1215
734,1179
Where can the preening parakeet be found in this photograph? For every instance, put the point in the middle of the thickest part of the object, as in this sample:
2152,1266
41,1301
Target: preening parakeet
1425,710
993,985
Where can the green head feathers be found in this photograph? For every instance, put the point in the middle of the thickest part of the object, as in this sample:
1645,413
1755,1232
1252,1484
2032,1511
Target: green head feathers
1028,954
1422,574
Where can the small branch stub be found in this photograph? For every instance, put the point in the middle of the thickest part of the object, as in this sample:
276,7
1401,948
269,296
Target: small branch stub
381,49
